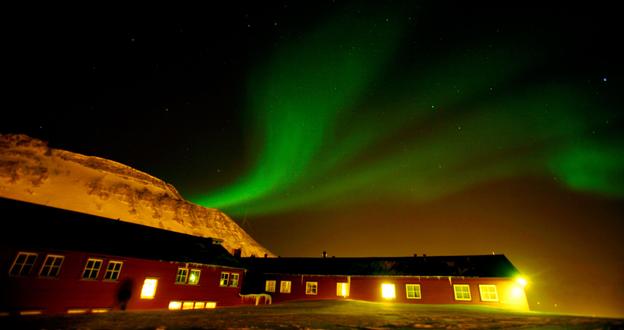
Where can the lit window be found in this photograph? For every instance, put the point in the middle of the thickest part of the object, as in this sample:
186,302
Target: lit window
224,279
199,305
388,291
175,305
92,269
51,266
462,291
412,291
311,288
210,304
77,311
234,279
181,275
23,264
112,270
100,310
285,286
269,286
194,276
342,289
148,291
187,305
488,292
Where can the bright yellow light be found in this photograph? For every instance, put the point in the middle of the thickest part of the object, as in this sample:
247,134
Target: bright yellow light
522,281
342,289
199,305
175,305
77,311
100,310
388,291
187,305
34,312
210,304
516,292
148,291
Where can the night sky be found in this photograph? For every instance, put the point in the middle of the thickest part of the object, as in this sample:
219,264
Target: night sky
378,129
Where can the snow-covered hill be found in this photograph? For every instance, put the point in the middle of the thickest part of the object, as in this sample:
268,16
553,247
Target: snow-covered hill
31,171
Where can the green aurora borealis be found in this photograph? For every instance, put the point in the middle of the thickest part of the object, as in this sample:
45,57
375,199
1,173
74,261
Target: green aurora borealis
331,119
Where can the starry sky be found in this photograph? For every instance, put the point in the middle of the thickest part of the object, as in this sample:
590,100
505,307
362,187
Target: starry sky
388,128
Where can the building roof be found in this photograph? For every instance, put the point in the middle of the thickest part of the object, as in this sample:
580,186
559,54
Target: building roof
469,266
32,226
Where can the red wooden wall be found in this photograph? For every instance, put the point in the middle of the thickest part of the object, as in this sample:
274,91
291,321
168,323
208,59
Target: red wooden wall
434,290
70,291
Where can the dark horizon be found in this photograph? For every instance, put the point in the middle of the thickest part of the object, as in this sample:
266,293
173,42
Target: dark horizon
379,129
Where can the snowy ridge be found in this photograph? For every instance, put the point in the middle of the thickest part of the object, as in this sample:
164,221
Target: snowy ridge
31,171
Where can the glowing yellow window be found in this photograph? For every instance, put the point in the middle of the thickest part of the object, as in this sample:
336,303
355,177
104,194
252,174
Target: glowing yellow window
412,291
194,276
188,305
285,286
148,291
311,288
269,286
211,304
462,292
199,305
224,280
342,289
488,292
175,305
388,291
234,279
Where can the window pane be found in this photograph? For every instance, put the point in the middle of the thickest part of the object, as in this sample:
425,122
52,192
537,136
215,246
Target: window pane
285,286
224,279
269,286
148,291
234,280
194,276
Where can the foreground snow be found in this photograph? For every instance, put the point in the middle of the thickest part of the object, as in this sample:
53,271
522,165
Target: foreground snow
318,315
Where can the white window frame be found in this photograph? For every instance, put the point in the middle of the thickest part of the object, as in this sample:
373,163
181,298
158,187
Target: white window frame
417,291
96,266
23,265
269,286
111,274
182,278
196,271
462,286
309,286
485,295
285,286
224,280
234,279
54,258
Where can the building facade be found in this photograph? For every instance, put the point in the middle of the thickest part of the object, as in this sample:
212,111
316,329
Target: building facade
55,261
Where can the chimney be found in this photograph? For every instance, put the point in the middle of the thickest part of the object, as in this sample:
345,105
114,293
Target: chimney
266,255
324,254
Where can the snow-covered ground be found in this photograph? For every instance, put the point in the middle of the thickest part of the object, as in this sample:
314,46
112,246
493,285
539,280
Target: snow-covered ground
318,315
33,172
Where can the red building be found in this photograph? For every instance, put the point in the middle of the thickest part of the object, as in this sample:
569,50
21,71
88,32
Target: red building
486,280
58,261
